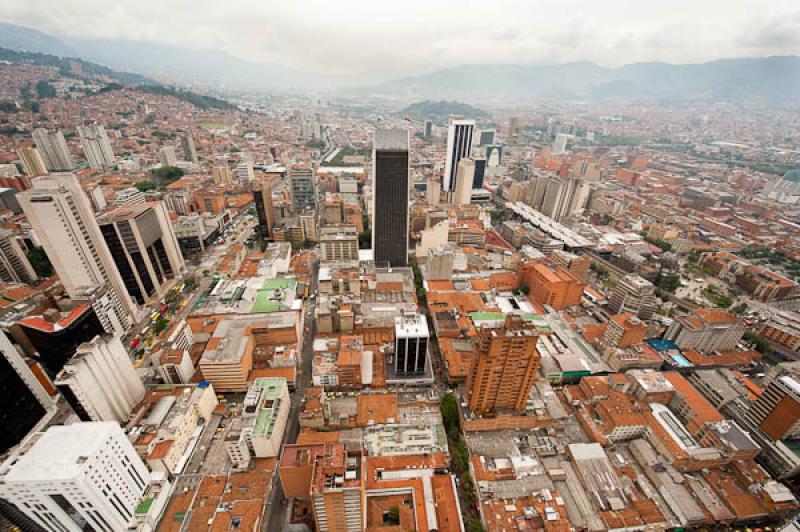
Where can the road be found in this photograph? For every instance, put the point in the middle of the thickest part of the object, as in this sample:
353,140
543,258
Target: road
274,515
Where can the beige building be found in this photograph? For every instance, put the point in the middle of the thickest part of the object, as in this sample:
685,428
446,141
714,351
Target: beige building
338,243
60,213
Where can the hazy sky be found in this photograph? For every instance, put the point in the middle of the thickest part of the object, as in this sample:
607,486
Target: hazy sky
394,38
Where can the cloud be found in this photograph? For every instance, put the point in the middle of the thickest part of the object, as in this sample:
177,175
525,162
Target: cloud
373,41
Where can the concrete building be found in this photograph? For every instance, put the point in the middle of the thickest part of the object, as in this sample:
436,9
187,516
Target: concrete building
100,382
634,294
14,264
624,330
337,491
54,150
267,405
411,338
167,156
504,367
552,285
129,196
188,149
777,409
706,330
560,143
265,212
228,358
61,215
783,328
459,144
302,185
144,248
338,243
390,197
563,198
24,401
433,192
83,476
97,147
221,175
244,172
465,176
32,161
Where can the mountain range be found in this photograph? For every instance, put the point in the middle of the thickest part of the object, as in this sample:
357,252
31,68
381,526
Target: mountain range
771,80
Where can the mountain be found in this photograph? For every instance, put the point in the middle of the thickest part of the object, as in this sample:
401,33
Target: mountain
23,39
440,111
774,80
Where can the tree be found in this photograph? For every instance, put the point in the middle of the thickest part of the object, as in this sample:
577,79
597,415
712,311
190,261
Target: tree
393,516
449,410
40,262
365,239
739,309
167,174
524,289
160,325
44,89
473,524
670,283
144,186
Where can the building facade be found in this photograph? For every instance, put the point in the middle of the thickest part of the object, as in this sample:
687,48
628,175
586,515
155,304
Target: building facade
390,197
97,147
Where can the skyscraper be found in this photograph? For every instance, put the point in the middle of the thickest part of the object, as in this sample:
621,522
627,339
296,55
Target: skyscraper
221,175
14,265
100,382
262,199
390,197
60,213
504,367
54,150
634,294
560,143
97,147
167,156
564,198
32,161
144,248
465,176
459,143
83,476
23,400
410,345
303,188
188,149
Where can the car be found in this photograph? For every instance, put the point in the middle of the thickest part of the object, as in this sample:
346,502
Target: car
136,341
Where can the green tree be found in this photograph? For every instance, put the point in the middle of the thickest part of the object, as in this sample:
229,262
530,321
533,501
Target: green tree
144,186
160,325
365,239
393,516
449,409
44,89
670,283
40,262
473,524
167,174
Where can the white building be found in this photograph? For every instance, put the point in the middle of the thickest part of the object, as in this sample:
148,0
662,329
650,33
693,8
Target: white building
54,150
97,147
78,477
560,143
339,243
459,144
14,264
411,344
244,172
129,196
167,156
100,382
465,175
61,216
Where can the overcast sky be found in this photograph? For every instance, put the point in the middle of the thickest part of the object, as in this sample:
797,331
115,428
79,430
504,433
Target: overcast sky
385,39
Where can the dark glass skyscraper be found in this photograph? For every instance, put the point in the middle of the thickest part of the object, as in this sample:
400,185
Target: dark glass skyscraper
390,197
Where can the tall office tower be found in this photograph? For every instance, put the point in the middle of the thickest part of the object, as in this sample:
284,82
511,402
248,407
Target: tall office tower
480,172
100,382
23,400
308,225
32,161
262,199
60,213
167,156
560,144
428,130
303,188
433,192
390,197
465,176
14,264
54,150
188,149
83,476
410,344
459,143
504,367
244,172
777,409
97,147
221,175
513,126
564,198
144,249
634,294
486,137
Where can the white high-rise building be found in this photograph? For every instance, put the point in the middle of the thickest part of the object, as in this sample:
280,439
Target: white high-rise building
83,476
560,143
100,382
129,196
188,149
14,264
459,144
244,171
97,147
54,150
167,156
61,216
465,175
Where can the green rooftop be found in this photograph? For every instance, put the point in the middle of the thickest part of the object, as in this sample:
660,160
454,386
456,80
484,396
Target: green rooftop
265,418
265,300
278,284
145,505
